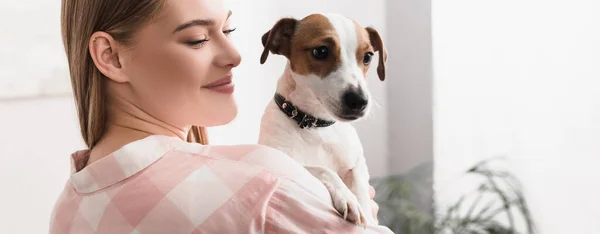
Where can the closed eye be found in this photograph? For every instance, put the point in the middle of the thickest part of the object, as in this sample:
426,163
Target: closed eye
196,43
229,31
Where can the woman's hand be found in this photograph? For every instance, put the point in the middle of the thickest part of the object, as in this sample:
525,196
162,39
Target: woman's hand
374,206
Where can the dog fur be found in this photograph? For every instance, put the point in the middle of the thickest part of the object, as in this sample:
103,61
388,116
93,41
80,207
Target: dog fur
319,87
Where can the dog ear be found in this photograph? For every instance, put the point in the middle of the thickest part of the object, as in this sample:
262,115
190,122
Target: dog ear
378,45
278,39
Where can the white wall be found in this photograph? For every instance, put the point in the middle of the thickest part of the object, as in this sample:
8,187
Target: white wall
36,140
410,84
34,167
29,66
520,78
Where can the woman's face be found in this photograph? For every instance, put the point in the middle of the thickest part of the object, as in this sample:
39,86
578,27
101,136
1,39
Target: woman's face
176,59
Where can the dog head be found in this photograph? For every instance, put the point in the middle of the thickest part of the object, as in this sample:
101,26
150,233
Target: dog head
329,55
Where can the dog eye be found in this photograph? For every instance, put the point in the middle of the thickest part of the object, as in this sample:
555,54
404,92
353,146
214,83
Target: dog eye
320,53
368,57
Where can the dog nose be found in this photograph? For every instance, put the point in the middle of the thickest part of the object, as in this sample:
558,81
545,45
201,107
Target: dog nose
355,101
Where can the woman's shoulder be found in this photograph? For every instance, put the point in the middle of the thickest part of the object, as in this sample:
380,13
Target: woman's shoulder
165,182
159,148
243,162
256,156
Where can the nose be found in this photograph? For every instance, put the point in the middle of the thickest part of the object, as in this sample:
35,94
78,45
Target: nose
355,101
229,56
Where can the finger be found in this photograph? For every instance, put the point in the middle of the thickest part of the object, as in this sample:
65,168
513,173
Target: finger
375,209
375,206
371,192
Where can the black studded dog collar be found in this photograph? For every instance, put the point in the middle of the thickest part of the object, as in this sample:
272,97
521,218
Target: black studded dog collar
303,119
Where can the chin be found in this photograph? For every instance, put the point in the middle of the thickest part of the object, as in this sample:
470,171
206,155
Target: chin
219,114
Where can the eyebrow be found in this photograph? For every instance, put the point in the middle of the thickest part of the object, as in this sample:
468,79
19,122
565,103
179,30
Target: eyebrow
198,22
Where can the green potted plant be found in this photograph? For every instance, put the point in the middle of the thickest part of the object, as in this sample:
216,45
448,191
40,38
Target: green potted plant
494,207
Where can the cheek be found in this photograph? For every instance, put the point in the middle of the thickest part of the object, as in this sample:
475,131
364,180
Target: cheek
172,66
167,81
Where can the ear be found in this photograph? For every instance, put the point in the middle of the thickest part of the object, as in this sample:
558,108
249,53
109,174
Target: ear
378,45
278,39
104,52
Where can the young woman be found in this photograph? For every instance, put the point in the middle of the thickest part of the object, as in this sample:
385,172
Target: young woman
148,76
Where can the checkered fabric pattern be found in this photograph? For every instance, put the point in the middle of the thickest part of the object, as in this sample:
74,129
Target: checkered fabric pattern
163,185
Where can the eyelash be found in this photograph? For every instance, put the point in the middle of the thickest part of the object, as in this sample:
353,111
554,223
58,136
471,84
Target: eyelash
229,31
201,43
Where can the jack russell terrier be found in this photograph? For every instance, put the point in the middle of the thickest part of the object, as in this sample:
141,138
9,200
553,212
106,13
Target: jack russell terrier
320,93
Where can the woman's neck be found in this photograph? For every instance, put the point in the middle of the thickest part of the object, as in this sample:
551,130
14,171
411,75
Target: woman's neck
127,123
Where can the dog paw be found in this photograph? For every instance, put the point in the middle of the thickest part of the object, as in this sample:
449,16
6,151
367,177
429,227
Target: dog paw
347,205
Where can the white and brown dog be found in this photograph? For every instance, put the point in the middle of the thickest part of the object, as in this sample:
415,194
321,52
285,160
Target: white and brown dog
322,90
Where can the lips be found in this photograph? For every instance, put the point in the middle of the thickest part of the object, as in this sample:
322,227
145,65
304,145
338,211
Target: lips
223,85
224,81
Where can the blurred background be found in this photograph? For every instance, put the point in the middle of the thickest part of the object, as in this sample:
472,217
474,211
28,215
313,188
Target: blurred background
488,121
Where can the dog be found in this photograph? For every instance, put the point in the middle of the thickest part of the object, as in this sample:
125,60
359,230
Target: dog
320,93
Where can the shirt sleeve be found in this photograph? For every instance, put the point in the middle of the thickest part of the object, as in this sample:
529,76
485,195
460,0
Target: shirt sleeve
294,209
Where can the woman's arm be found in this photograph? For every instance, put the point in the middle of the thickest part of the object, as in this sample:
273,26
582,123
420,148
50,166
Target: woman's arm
293,209
283,198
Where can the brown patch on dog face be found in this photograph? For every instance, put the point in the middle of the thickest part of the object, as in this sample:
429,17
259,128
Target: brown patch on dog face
315,32
364,47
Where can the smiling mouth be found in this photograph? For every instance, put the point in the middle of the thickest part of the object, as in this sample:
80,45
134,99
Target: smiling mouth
224,85
224,81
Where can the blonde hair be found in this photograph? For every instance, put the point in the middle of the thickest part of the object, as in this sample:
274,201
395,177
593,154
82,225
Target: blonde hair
79,20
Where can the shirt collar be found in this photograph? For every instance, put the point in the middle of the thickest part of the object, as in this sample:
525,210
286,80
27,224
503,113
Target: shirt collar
121,164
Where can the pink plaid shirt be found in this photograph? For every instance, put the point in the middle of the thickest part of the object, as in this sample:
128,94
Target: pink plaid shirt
164,185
